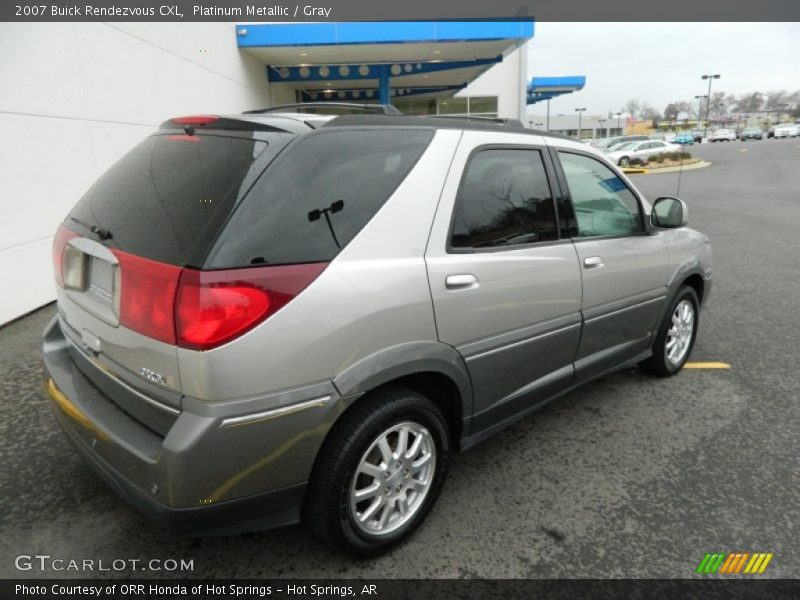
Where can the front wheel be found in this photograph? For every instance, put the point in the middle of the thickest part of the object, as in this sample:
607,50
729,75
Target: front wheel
676,334
624,161
378,473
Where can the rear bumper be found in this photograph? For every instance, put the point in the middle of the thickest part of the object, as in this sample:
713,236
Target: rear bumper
203,476
276,508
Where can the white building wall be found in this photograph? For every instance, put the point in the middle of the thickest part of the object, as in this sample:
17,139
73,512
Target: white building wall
74,97
507,81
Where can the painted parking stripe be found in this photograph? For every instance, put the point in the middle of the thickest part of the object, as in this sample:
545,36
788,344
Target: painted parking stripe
706,365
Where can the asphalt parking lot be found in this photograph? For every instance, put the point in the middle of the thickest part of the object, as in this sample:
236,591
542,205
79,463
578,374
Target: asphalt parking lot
629,477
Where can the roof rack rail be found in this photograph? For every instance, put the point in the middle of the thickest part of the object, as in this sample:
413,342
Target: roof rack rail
358,109
516,123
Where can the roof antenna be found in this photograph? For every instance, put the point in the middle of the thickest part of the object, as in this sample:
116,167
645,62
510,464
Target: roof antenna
680,172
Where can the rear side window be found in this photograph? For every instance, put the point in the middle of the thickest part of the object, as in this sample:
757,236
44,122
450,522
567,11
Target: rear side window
504,200
167,199
317,195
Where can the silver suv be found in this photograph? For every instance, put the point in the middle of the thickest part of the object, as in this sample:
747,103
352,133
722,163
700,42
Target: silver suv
264,318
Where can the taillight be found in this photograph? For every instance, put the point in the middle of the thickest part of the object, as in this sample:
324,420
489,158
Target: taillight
62,237
147,296
195,120
214,307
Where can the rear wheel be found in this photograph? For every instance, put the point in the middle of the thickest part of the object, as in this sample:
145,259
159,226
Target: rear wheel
675,336
624,161
379,472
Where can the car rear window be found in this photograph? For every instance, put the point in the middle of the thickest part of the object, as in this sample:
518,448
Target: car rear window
167,199
317,195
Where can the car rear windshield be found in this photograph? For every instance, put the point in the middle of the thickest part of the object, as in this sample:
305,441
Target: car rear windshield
317,195
167,199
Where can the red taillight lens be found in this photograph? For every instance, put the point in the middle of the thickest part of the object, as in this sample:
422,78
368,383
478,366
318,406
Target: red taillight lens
147,296
62,237
213,307
195,120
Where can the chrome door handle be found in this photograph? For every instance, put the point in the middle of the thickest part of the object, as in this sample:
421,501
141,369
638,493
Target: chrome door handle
461,281
593,262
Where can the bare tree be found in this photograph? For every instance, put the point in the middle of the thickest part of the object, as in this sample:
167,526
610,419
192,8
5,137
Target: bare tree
673,109
750,102
648,113
632,107
774,99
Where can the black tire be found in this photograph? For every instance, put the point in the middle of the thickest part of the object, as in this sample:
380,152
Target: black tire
327,509
624,161
659,363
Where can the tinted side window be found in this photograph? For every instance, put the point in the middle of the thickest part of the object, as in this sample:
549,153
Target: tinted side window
603,203
504,200
316,196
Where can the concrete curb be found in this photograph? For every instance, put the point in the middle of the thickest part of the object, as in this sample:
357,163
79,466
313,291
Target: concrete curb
699,165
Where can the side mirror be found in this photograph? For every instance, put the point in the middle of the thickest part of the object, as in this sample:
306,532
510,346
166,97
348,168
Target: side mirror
669,213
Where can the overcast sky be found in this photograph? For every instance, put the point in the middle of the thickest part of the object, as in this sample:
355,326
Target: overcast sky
662,62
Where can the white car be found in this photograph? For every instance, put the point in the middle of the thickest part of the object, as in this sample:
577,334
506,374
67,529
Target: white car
723,135
787,130
622,155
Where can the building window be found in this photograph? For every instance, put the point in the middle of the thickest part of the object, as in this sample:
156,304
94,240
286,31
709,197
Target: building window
416,107
453,106
483,105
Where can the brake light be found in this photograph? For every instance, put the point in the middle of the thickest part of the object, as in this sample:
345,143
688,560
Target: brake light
195,120
183,138
62,237
214,307
147,296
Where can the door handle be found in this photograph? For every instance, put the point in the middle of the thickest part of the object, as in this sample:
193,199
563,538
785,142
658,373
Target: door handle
461,281
593,262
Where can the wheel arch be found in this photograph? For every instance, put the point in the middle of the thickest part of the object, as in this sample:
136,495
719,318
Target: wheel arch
432,369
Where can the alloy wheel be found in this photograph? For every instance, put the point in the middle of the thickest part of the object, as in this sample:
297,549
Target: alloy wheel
679,335
393,478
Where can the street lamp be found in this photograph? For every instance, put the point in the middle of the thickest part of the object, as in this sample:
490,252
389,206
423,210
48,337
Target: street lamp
580,115
548,115
602,125
708,104
619,126
780,110
700,108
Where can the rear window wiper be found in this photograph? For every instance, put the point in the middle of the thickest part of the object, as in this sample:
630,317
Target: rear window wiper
335,207
103,234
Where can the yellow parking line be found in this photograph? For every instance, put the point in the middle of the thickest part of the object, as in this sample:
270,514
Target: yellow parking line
706,365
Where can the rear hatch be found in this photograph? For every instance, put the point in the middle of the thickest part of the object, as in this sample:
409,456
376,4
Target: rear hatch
121,251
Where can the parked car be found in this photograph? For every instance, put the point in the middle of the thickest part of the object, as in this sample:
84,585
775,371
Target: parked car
771,132
787,130
622,155
752,133
698,135
684,138
669,136
606,143
261,319
722,135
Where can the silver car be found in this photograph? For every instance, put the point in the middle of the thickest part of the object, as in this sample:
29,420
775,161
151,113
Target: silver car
270,317
625,153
